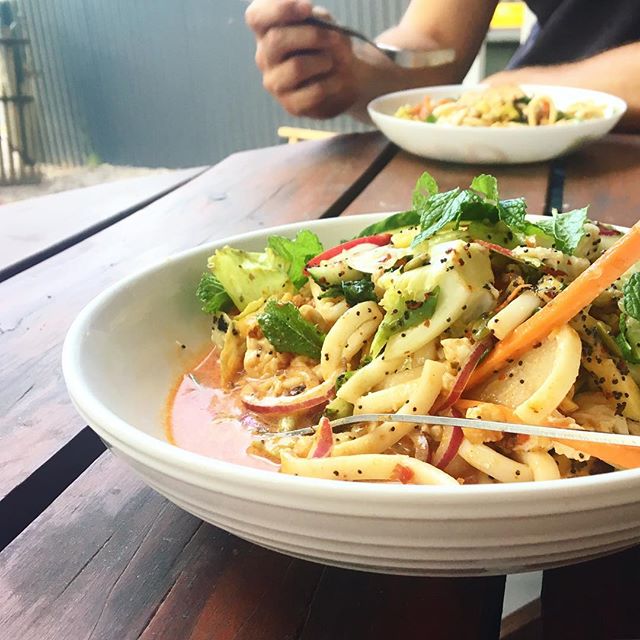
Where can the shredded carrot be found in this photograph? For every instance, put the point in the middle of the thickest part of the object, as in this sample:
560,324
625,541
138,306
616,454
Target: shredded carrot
615,454
568,303
425,108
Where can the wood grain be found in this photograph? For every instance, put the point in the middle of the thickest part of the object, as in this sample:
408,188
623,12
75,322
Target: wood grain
111,559
33,229
596,599
606,176
391,189
245,192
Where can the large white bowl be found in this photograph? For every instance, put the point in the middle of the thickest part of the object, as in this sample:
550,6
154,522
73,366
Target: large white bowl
492,145
122,355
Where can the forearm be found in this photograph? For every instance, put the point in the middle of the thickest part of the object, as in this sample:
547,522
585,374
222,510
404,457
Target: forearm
427,24
616,71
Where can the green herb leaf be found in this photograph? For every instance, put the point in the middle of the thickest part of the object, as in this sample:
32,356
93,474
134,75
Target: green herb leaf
289,332
404,315
486,185
212,295
354,291
297,253
628,340
431,118
631,293
567,229
512,213
449,208
357,291
395,221
437,210
424,189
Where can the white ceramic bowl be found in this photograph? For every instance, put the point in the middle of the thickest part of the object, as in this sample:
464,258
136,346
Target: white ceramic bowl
122,355
492,145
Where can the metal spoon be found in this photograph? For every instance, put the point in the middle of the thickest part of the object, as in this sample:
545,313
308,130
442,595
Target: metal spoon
408,58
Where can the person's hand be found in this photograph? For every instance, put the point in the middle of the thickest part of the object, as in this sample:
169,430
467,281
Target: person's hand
311,71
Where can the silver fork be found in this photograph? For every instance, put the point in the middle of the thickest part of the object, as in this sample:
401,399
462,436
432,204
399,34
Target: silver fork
408,58
556,433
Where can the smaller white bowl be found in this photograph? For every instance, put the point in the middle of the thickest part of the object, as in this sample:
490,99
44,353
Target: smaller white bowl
493,145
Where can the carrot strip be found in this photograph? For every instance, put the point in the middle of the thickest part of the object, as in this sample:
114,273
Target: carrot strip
615,454
568,303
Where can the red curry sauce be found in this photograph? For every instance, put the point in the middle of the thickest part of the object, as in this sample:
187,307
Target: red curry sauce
205,419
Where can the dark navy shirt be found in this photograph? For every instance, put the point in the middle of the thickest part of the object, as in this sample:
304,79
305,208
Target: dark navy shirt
569,30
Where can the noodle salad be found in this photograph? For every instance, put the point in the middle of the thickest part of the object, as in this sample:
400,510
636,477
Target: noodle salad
460,307
504,106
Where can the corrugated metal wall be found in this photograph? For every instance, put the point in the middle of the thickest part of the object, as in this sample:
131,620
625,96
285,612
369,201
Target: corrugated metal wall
160,82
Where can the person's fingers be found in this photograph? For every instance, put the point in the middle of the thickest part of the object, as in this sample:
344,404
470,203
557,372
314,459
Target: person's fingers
323,13
324,98
262,15
281,42
296,71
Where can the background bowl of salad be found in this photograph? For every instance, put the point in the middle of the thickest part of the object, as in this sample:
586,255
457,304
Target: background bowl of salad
128,347
503,137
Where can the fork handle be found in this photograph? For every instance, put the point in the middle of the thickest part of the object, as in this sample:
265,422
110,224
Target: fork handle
326,24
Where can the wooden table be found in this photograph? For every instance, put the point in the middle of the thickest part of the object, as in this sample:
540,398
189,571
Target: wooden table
91,552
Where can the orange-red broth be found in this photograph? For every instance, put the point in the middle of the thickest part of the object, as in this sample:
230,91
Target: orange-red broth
206,419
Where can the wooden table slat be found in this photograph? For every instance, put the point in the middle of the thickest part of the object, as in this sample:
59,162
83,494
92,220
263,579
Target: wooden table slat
606,176
245,192
595,599
391,189
112,559
31,230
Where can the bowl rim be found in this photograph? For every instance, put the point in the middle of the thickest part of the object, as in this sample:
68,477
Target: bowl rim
618,105
88,404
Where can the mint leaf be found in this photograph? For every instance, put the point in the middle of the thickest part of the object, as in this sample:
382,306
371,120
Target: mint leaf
486,185
289,332
297,253
449,208
212,295
354,291
567,229
424,189
512,213
395,221
631,293
438,211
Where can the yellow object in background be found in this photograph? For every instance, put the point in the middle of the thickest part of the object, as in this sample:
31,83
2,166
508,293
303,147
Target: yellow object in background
295,134
508,15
